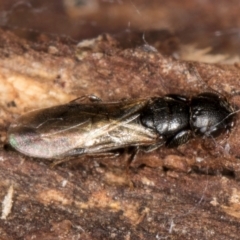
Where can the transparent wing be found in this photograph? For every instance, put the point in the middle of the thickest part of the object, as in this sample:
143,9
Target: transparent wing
96,127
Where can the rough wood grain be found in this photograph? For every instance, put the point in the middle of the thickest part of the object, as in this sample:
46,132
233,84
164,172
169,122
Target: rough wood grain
187,193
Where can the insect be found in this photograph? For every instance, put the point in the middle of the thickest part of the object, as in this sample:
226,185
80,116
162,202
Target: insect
99,127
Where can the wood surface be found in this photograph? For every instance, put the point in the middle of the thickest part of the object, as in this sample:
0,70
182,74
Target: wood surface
191,192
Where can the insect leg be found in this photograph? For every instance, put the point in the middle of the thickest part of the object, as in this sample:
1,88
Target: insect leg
104,155
179,139
90,98
134,151
152,147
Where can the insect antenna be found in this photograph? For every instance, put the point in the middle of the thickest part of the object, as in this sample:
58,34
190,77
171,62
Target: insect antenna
229,115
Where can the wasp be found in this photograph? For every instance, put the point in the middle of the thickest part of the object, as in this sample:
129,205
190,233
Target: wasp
98,127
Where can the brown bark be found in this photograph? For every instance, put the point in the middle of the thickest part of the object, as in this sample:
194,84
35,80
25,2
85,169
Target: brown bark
187,193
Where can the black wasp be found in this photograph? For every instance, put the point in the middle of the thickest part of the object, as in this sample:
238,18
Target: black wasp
80,128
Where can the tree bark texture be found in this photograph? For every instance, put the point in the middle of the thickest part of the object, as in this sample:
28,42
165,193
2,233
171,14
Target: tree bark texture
191,192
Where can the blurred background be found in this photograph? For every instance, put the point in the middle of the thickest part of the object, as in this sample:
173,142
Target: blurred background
187,29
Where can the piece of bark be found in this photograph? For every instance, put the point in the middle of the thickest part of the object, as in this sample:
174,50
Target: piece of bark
187,193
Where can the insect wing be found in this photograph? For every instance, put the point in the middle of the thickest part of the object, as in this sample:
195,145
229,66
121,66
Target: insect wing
96,127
